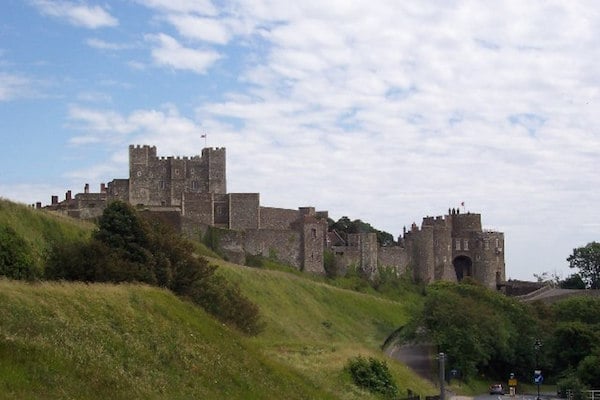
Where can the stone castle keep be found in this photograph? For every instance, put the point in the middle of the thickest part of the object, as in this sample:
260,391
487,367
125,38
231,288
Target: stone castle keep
191,193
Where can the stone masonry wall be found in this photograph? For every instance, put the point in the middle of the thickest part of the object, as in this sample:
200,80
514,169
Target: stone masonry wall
277,218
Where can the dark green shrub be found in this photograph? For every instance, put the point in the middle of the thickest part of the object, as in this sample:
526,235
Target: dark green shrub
588,371
571,384
16,260
373,375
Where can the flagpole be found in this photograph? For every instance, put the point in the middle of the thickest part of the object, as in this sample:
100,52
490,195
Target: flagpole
205,139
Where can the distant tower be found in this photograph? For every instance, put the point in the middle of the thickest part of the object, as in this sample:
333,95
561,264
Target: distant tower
213,160
141,158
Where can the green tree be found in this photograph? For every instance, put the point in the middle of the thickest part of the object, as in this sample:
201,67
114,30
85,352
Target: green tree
587,260
573,281
480,330
345,225
120,227
572,342
578,309
588,371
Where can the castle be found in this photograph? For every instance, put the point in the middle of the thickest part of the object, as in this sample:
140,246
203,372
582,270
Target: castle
191,193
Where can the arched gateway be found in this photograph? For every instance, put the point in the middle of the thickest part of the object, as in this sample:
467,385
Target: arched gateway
463,267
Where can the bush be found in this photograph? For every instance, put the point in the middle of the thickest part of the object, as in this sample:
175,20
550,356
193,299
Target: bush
373,375
16,261
571,384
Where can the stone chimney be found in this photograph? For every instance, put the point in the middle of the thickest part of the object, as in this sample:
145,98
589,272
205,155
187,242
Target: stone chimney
68,195
86,188
102,188
54,200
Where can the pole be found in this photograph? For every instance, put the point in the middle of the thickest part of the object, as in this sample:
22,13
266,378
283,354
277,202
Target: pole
441,358
537,345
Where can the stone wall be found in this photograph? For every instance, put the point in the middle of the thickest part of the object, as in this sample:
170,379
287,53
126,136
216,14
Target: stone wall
277,218
244,211
198,207
284,245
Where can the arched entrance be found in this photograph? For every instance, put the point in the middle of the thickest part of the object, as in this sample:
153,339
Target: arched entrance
463,267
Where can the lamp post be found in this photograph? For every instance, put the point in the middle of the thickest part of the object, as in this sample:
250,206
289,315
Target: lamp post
441,359
538,373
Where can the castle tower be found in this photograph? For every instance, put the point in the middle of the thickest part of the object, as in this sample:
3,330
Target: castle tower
455,247
141,179
214,168
312,237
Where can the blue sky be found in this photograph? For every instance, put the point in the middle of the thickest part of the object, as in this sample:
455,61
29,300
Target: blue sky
385,111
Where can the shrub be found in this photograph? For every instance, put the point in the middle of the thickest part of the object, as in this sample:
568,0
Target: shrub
373,375
16,261
571,384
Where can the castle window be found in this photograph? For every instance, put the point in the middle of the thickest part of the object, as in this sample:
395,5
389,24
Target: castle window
161,185
457,244
194,185
139,173
486,244
466,244
177,171
497,243
314,233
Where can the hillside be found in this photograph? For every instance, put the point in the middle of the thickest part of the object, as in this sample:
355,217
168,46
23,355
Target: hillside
123,342
60,340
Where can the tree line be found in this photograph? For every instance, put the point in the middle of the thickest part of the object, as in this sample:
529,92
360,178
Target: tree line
483,331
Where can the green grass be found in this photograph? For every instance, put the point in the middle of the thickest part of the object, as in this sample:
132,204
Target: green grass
70,340
123,342
316,328
40,229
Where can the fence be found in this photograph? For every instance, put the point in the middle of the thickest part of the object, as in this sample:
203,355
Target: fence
593,394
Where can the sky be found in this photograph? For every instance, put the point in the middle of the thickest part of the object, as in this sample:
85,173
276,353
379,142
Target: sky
384,111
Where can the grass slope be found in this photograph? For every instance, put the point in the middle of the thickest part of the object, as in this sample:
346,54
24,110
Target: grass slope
40,229
315,328
123,342
97,341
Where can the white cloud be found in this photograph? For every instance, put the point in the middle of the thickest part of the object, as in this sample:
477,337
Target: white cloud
200,28
14,86
172,54
104,45
77,14
199,7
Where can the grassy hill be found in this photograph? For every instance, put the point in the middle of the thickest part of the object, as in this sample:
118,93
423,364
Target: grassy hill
60,340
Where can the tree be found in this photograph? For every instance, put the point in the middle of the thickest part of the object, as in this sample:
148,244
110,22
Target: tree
572,282
347,226
587,260
572,342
